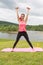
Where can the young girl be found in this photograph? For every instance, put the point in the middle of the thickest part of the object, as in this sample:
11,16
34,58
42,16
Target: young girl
22,27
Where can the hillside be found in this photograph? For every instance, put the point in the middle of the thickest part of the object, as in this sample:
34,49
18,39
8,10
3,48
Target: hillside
5,23
6,26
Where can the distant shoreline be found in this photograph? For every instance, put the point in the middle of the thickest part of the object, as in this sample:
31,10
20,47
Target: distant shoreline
11,32
14,32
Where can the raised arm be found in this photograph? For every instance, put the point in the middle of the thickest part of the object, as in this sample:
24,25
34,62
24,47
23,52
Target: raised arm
17,13
26,18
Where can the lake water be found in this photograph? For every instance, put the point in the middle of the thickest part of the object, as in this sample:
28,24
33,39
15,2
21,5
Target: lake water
33,36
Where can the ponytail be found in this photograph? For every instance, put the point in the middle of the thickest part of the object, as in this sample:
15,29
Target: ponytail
20,19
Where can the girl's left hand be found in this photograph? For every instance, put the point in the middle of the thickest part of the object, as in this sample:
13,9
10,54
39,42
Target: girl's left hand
28,8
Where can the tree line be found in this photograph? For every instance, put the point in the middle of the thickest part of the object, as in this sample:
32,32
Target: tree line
6,26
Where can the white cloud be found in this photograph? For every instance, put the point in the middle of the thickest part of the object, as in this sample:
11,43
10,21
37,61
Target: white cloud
37,3
35,20
7,15
23,5
10,15
7,11
9,3
2,5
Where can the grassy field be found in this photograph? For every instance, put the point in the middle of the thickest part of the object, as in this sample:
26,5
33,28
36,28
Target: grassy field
20,58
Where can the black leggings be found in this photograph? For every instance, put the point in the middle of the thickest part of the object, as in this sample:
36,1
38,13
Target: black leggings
26,37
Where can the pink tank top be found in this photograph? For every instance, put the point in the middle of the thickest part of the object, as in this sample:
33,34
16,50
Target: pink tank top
22,26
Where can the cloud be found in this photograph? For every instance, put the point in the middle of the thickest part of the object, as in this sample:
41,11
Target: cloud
37,7
7,15
7,11
37,3
35,20
23,5
2,5
10,16
8,3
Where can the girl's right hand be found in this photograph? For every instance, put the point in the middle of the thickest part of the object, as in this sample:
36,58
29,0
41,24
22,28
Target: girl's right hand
17,8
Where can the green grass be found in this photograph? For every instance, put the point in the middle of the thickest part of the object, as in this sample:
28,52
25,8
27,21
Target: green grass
20,58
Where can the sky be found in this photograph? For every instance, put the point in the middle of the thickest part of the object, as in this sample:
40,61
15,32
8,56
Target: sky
8,13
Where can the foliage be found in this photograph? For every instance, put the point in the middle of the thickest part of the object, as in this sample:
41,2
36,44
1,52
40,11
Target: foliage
6,26
35,28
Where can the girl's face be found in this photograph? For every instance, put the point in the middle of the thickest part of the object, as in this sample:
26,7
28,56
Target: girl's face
22,16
